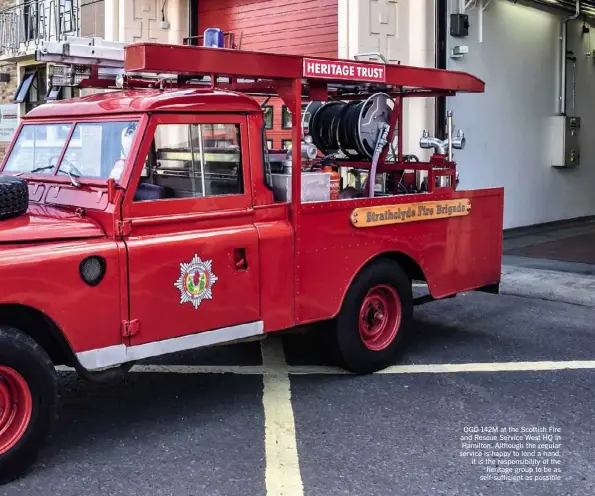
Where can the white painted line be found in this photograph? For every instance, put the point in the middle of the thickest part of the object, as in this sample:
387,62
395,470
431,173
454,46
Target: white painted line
282,476
317,369
487,367
200,369
64,368
276,367
188,369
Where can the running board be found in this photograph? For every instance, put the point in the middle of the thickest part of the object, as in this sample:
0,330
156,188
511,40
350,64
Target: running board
113,356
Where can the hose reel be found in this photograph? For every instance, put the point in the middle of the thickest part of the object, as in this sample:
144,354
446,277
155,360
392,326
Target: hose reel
352,127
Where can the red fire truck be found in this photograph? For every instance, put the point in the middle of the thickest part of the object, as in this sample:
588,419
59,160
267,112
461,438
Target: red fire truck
152,219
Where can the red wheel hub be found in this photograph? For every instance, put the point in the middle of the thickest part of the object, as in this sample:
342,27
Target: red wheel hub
16,405
380,317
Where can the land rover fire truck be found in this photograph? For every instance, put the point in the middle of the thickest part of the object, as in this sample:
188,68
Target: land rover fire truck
151,218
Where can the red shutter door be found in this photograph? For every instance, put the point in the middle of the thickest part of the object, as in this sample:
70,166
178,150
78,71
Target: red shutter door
294,27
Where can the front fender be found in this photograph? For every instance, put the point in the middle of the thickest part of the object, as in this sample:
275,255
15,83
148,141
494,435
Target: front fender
46,277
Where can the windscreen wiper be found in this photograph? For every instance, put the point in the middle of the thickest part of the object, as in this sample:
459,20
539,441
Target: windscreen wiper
73,177
39,169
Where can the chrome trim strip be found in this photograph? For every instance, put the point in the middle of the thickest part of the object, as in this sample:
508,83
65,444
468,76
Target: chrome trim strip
112,356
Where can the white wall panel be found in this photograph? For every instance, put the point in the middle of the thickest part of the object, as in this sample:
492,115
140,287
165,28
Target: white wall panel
506,128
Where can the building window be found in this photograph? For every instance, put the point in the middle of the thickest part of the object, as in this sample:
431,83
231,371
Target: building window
67,17
286,144
270,144
32,90
286,118
31,20
23,88
62,93
268,116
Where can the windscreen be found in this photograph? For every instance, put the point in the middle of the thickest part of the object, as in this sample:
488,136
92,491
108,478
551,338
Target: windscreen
95,150
38,148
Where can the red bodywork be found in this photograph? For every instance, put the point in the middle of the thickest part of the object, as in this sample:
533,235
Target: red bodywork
281,264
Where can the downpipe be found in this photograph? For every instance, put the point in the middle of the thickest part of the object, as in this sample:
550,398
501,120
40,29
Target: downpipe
563,60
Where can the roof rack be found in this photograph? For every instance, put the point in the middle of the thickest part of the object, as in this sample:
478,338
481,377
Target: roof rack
96,62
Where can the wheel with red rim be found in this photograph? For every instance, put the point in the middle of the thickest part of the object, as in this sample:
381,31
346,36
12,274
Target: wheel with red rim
367,335
380,317
28,398
16,405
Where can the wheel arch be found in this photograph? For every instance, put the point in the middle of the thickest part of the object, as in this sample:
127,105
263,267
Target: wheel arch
41,328
409,265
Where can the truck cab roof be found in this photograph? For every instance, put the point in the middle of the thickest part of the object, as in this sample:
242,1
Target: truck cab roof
148,100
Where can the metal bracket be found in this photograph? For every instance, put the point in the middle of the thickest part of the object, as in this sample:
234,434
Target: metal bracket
464,6
372,54
123,227
130,328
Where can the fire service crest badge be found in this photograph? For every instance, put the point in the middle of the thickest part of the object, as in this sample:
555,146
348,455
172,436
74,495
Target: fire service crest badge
196,281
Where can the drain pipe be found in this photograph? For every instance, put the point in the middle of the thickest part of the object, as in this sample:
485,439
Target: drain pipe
563,57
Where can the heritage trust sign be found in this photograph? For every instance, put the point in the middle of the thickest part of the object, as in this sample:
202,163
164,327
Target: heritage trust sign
335,69
409,212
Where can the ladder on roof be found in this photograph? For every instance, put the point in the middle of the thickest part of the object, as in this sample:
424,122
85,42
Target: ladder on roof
82,51
75,59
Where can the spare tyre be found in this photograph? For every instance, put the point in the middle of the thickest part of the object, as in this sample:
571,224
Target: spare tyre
14,196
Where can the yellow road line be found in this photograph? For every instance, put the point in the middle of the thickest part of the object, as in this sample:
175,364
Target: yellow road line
282,476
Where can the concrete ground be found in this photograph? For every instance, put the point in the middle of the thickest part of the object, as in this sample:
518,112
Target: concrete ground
274,418
553,262
564,245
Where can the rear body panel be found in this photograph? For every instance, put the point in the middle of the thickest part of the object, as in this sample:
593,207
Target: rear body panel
455,254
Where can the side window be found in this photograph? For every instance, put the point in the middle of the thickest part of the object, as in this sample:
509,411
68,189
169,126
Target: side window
268,116
285,118
192,161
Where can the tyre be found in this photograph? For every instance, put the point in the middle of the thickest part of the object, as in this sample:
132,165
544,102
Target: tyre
14,197
28,399
368,333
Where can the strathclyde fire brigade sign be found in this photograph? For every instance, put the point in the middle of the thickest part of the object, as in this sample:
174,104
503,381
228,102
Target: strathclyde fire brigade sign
409,212
339,69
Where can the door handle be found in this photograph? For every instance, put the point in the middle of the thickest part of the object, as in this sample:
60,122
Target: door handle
239,259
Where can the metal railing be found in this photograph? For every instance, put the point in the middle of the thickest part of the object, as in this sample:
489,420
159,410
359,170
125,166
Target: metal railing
23,26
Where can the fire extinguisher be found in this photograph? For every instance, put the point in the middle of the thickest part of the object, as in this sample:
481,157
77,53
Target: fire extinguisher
335,181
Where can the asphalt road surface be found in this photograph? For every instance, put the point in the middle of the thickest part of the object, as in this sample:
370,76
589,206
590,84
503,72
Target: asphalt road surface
183,427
